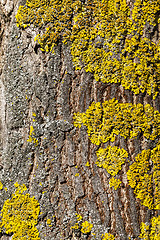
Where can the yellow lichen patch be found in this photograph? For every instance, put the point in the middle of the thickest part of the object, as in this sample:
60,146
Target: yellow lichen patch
49,222
76,226
114,182
146,182
151,232
106,37
87,164
144,231
86,227
111,44
113,118
19,215
79,217
55,15
107,236
155,228
31,138
111,158
1,186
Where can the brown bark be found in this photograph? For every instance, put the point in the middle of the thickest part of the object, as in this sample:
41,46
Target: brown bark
47,85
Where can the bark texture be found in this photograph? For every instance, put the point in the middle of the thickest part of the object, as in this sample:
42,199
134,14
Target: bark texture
43,90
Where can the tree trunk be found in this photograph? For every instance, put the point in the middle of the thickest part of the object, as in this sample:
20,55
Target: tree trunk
39,93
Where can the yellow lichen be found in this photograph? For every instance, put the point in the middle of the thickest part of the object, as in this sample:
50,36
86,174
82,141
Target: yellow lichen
1,186
113,118
107,236
76,226
49,222
151,232
87,164
79,217
114,182
31,138
144,231
106,37
146,182
111,158
19,215
86,227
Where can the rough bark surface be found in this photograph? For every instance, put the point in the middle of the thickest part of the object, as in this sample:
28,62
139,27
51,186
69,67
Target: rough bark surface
46,85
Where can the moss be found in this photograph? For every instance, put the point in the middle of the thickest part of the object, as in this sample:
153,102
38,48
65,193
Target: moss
106,37
19,215
144,176
111,118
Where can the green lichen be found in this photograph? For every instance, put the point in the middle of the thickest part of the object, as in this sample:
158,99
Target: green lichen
19,215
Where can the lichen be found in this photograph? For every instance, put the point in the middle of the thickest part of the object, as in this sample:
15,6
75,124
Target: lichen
144,176
106,37
108,236
86,227
49,222
151,232
31,137
76,226
87,164
115,183
111,159
79,217
1,185
54,16
111,118
19,215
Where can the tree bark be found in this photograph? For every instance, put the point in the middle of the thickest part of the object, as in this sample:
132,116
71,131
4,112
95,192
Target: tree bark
44,91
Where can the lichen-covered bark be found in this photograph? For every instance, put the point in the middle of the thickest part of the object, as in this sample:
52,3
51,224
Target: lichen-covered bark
41,91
